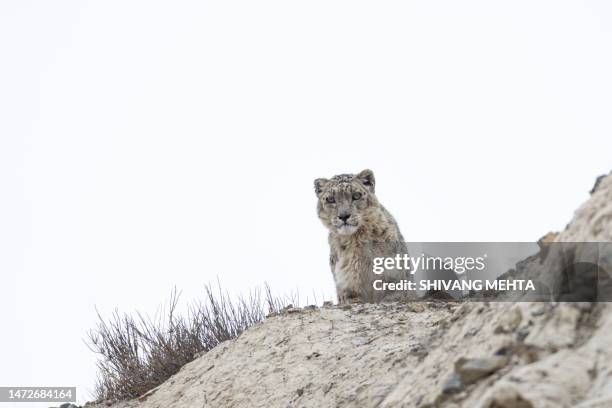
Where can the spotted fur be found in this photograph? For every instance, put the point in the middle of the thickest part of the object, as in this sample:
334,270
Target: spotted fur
360,229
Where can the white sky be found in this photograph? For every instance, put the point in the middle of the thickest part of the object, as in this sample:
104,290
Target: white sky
150,144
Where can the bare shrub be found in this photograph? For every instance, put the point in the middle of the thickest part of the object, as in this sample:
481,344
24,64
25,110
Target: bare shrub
138,353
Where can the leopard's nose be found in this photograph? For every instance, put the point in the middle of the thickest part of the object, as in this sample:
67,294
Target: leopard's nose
344,216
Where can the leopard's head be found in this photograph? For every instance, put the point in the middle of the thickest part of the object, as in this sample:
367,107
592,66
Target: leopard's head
344,200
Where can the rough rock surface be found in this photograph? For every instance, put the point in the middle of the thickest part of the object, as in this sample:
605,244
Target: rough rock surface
429,354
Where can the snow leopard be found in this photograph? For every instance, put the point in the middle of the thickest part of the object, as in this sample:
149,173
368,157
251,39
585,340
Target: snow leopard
360,229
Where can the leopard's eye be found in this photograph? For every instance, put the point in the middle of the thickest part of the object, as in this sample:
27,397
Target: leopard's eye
330,199
356,196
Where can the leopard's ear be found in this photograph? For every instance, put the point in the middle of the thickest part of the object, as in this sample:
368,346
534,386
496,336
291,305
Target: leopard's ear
319,184
367,179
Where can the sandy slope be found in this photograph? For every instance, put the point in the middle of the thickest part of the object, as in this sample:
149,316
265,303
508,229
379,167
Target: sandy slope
419,354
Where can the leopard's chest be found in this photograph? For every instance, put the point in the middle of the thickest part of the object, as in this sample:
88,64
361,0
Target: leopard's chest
350,267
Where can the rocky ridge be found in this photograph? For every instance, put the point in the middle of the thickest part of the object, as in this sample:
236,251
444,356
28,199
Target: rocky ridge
420,354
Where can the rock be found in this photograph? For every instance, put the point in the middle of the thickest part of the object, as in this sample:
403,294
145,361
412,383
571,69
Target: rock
598,181
547,239
560,330
290,309
452,385
505,397
419,351
360,341
416,307
327,388
471,370
538,311
510,321
522,333
471,332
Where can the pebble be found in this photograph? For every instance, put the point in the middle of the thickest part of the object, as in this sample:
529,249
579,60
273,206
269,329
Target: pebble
471,370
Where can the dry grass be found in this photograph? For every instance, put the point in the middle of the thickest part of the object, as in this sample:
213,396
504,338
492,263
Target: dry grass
138,353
